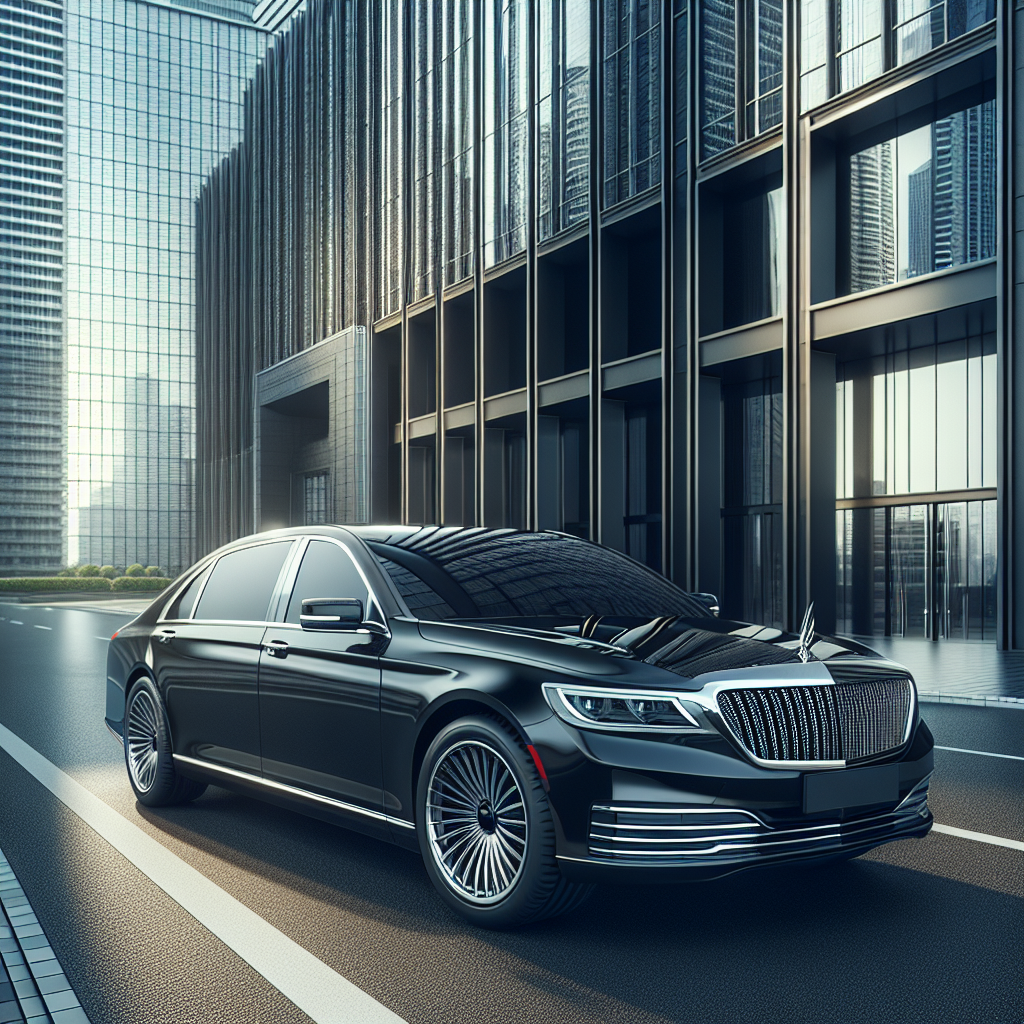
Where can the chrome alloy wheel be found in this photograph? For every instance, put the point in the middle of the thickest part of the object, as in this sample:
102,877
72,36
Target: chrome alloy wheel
142,740
476,822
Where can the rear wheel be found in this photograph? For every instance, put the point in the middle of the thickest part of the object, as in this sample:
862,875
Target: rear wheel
147,750
486,830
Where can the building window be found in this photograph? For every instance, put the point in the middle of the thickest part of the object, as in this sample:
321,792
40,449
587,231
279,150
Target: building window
919,422
752,498
506,136
457,138
315,499
859,39
563,113
632,98
741,246
923,201
742,64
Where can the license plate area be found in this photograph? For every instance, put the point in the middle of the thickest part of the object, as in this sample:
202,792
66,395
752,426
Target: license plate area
851,787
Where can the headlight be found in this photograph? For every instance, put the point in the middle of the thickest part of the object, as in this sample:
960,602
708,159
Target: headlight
589,707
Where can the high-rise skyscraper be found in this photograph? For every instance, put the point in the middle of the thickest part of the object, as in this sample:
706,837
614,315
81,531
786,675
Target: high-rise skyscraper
154,102
920,231
31,279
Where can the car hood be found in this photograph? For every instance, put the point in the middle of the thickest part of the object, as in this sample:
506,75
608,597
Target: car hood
684,646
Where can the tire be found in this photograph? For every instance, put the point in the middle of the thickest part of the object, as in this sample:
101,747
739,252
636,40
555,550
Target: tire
147,750
485,828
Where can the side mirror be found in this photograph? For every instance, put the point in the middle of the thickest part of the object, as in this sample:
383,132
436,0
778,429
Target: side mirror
709,601
331,613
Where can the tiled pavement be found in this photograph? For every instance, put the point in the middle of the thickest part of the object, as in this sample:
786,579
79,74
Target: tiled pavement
957,672
33,988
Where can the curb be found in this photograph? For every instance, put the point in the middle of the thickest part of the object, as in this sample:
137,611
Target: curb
979,701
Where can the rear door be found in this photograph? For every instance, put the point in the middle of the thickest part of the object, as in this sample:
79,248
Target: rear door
207,658
319,692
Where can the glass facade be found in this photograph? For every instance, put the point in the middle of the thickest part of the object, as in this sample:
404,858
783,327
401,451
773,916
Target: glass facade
153,103
563,115
631,53
32,232
742,64
637,359
506,123
852,42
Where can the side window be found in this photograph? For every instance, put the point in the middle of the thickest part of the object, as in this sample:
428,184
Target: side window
326,571
182,607
242,583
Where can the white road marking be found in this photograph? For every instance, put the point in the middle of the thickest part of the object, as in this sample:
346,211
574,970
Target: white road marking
978,837
17,622
42,627
984,753
309,983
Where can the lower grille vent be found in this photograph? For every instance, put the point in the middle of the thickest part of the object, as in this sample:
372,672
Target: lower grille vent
844,722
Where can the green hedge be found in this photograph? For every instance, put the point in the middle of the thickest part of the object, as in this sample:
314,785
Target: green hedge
149,584
47,584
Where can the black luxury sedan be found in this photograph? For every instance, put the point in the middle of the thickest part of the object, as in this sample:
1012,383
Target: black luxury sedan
533,712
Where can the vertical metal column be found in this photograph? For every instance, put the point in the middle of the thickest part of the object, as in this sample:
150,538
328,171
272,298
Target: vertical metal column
1010,371
795,350
667,93
596,163
692,334
531,270
478,254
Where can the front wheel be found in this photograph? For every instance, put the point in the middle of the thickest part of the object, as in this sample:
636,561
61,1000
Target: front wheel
147,750
485,828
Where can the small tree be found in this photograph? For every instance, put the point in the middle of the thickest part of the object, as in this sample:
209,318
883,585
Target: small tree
153,570
135,570
108,572
89,570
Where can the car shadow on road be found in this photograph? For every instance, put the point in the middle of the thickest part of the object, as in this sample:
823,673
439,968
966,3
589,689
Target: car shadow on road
929,933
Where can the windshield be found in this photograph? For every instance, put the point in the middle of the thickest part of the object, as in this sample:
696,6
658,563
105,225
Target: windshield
497,574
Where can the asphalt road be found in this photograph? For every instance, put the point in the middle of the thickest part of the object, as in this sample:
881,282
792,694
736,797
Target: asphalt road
923,930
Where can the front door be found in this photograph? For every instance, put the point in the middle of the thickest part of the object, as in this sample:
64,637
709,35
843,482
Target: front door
319,693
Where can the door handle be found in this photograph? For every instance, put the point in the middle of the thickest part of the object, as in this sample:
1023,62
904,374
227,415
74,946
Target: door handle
165,636
276,648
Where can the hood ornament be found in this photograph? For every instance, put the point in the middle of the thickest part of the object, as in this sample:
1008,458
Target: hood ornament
806,635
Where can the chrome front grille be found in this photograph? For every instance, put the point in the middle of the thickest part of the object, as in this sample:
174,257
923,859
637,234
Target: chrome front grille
700,837
842,722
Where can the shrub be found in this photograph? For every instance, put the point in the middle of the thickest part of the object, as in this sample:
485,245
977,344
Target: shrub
108,572
69,571
148,584
53,584
153,570
89,570
134,570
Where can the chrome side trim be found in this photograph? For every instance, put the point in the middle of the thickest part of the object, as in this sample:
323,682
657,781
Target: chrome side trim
339,805
120,739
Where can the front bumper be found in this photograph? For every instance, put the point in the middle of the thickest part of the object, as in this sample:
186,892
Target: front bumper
662,844
628,809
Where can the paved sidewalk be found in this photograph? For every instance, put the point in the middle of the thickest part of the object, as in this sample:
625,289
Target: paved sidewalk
956,672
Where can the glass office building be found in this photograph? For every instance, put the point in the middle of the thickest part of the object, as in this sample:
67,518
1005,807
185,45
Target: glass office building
31,285
729,286
154,101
